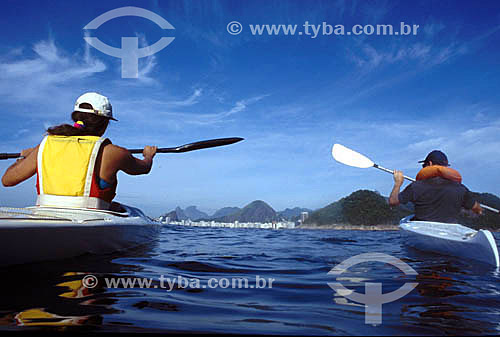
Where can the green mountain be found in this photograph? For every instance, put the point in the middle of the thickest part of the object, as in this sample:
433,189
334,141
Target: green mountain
362,207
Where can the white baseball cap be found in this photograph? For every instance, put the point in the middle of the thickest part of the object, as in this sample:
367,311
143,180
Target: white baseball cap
100,105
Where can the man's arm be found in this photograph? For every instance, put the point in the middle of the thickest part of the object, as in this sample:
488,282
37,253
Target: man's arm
470,202
477,208
398,182
22,169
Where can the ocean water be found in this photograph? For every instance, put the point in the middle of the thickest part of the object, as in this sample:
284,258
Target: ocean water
452,296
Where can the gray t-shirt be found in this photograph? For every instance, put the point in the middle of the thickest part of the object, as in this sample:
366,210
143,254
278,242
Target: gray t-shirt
437,199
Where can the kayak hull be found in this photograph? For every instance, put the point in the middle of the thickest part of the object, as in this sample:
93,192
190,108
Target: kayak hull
43,234
451,239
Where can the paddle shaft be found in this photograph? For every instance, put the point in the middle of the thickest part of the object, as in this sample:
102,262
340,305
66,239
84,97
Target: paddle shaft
411,179
390,171
179,149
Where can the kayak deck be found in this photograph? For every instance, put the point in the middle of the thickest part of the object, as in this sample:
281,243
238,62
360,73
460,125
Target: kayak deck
35,234
451,239
77,215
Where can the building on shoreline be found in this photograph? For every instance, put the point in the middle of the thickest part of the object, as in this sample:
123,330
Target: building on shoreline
236,224
303,217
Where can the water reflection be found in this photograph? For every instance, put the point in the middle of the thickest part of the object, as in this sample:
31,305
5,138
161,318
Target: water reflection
443,297
53,293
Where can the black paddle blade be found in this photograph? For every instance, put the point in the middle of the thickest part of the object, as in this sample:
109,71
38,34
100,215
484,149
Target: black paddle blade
205,144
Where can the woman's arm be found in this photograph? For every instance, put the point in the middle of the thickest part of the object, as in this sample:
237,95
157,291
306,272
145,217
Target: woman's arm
135,166
116,158
22,169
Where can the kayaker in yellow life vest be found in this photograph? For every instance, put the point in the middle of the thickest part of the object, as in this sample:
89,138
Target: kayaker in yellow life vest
438,193
75,165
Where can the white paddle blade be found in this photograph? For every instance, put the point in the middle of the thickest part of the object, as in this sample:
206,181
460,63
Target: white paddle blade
349,157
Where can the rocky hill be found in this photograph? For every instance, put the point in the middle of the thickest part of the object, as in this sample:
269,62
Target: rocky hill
225,212
194,214
256,211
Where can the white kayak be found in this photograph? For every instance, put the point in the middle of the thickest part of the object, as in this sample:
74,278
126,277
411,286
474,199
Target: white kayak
451,239
34,234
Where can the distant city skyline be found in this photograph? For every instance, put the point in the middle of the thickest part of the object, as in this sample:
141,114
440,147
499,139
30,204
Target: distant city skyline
393,98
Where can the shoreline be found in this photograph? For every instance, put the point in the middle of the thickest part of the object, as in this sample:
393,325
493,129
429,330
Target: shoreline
352,227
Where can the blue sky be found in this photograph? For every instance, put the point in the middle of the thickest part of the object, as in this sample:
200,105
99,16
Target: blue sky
393,98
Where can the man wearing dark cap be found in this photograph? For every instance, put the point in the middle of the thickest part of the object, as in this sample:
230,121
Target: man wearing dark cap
438,194
436,157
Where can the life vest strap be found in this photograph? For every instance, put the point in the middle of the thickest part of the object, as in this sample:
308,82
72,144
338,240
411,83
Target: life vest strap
71,201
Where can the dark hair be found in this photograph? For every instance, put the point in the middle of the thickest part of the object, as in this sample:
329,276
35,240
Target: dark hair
94,125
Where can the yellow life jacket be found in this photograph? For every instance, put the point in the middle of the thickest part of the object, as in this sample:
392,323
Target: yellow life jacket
66,173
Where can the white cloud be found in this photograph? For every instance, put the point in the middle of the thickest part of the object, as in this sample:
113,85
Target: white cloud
242,105
427,144
47,51
424,54
480,144
148,64
431,49
168,103
432,29
169,109
191,100
214,118
39,77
